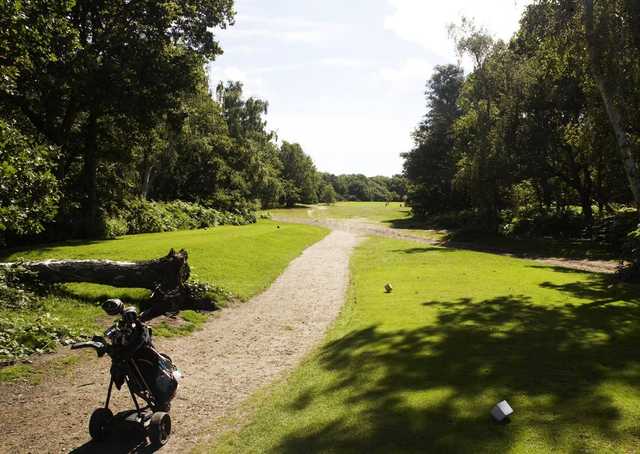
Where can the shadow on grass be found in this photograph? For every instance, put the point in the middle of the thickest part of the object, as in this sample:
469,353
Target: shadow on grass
600,289
44,248
98,298
548,361
139,299
535,248
421,250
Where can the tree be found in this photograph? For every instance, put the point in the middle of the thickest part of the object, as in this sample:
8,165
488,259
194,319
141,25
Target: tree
112,65
431,165
299,174
327,194
613,60
398,186
28,189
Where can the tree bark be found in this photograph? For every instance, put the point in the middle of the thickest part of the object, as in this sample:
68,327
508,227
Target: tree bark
90,173
146,182
607,93
168,273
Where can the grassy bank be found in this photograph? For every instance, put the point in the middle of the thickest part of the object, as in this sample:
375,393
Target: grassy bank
243,260
418,370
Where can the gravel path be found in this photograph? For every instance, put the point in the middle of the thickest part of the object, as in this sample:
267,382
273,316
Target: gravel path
363,227
240,350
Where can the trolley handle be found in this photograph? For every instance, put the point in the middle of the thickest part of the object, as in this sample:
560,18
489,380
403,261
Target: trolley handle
98,346
90,344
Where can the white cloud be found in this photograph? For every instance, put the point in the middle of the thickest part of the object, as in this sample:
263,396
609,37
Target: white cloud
425,23
253,85
339,62
343,143
288,29
411,70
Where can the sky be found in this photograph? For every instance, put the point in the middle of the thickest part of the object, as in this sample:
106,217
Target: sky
346,78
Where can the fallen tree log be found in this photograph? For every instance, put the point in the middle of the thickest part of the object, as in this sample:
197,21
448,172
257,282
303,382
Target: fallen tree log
167,272
166,276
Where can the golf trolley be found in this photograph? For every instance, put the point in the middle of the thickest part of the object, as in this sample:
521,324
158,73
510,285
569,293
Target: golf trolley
148,374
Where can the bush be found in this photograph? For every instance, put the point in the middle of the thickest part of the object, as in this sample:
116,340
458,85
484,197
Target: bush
114,227
617,231
568,225
143,216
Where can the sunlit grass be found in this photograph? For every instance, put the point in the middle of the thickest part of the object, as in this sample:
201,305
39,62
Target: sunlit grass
380,212
395,215
418,369
243,260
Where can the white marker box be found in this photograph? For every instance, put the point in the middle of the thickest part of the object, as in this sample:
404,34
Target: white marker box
501,411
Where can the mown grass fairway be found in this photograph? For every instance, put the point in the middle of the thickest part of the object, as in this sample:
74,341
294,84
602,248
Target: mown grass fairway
396,215
371,211
419,369
243,260
392,214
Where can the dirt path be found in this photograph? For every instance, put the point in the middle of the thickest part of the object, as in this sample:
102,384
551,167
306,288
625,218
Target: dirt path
237,352
358,226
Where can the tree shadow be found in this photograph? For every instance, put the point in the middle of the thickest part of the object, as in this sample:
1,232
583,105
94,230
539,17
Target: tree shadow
533,248
44,249
600,289
420,250
127,295
548,361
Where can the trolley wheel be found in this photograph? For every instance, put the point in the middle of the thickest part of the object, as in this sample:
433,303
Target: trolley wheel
159,429
99,424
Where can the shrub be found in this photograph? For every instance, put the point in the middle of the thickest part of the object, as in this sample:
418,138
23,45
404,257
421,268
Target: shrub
568,225
113,227
617,230
143,216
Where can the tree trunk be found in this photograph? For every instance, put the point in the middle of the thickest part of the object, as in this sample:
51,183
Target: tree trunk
607,92
146,182
169,272
587,210
90,173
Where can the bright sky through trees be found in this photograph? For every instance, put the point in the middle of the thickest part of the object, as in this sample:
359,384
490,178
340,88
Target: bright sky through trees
346,79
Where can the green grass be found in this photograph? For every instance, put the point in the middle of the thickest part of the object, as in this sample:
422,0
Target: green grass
393,214
397,216
187,323
243,260
371,211
34,373
16,372
418,370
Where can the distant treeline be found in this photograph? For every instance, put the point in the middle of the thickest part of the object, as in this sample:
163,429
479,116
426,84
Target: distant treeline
545,128
362,188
